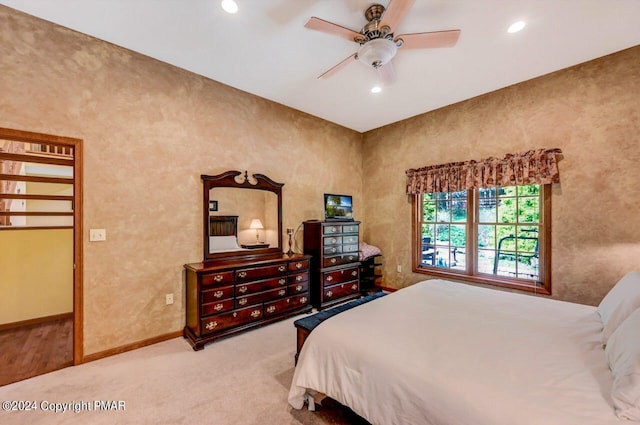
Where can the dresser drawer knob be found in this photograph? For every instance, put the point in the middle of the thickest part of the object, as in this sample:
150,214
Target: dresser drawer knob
354,286
218,307
329,294
329,278
303,300
282,292
211,325
282,268
282,281
333,250
333,261
351,257
255,313
298,265
218,278
299,278
334,240
298,288
242,301
242,289
218,294
242,274
271,309
235,314
354,273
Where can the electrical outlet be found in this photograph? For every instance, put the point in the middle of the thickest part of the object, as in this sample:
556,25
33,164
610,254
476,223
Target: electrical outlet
96,235
399,268
169,299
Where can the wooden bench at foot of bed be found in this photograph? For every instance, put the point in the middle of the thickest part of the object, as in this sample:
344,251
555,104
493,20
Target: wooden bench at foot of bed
307,324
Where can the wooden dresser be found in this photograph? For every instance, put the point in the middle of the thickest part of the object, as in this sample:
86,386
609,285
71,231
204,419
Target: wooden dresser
335,273
225,297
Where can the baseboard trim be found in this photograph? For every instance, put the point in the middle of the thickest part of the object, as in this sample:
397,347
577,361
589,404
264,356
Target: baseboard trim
36,321
128,347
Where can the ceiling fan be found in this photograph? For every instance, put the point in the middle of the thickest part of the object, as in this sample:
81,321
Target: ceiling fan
378,44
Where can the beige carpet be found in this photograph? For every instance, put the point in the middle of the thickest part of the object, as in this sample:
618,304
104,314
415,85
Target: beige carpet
243,379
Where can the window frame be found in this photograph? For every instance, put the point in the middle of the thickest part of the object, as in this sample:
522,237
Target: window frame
470,274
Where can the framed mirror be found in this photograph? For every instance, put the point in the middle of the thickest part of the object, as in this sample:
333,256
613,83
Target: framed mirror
242,215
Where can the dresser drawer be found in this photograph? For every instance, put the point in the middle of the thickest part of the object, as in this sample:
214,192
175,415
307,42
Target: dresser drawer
221,278
289,303
349,248
252,273
297,288
230,319
260,285
339,276
330,230
350,228
216,307
298,265
332,249
260,297
335,260
298,277
332,240
217,294
341,290
350,239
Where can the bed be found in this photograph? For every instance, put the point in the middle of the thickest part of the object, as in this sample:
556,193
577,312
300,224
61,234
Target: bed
447,353
223,234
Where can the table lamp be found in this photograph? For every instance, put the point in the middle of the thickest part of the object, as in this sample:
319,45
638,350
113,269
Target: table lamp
256,224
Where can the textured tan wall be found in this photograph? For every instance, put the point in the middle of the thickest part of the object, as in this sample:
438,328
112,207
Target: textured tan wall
149,131
590,111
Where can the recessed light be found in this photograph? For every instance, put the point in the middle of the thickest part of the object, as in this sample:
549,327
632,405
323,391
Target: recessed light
516,26
376,89
229,6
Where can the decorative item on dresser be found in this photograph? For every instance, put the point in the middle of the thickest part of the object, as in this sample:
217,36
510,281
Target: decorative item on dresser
335,275
242,284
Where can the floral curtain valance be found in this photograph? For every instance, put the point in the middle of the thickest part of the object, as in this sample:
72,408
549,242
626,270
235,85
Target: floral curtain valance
533,167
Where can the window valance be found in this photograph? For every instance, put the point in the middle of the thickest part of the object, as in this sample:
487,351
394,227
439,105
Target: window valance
532,167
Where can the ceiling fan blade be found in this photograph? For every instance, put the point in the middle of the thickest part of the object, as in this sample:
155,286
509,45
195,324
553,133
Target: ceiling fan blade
338,67
331,28
387,74
396,12
423,40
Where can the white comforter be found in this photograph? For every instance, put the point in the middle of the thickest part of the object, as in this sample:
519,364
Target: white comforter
447,353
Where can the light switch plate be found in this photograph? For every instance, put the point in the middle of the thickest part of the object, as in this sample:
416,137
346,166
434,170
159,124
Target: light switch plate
96,235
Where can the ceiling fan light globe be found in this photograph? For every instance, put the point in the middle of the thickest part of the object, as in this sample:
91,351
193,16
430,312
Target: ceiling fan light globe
378,52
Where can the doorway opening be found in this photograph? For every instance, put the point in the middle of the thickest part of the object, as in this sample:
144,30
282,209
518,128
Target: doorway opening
40,254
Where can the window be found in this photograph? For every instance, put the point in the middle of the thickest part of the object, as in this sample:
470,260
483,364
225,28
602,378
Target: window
497,236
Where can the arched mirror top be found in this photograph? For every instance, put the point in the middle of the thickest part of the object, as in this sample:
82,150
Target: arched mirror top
242,215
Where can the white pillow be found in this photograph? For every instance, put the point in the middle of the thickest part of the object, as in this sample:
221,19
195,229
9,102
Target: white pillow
622,300
221,243
623,356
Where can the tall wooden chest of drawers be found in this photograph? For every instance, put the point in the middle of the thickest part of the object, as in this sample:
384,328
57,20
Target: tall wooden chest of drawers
335,273
226,297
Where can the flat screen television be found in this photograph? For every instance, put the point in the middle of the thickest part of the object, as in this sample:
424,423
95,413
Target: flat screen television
338,207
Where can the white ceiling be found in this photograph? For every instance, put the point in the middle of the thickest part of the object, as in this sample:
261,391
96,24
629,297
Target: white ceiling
264,49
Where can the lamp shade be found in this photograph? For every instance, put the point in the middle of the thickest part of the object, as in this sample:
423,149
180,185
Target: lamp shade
377,52
256,224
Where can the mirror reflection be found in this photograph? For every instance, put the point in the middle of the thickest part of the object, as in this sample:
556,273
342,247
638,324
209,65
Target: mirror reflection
243,219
